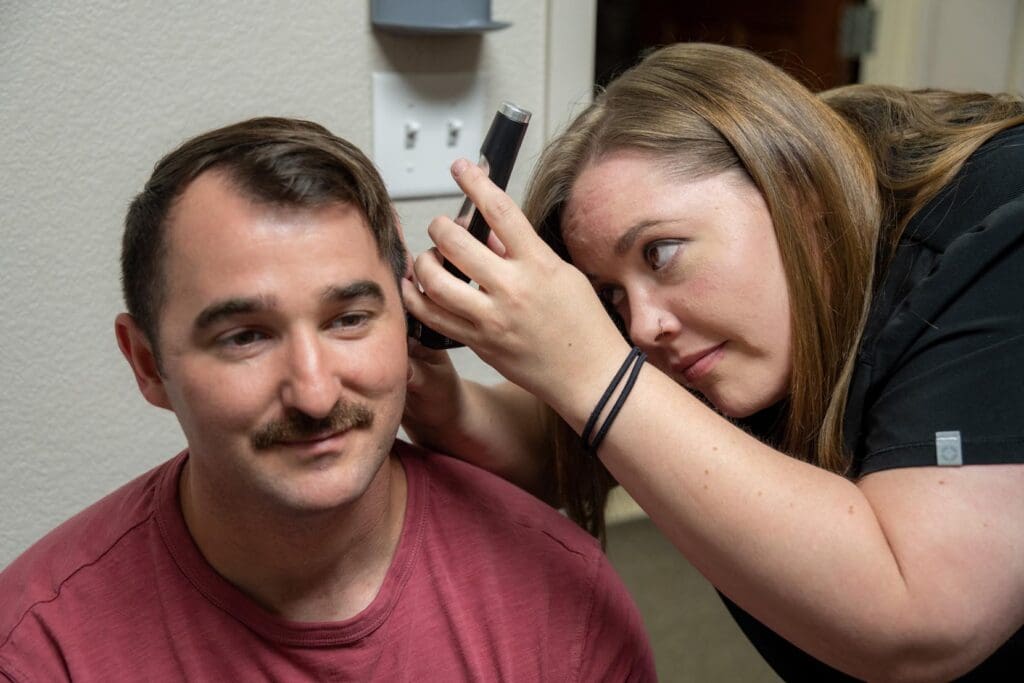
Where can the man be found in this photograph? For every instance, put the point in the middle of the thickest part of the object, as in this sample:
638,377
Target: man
294,538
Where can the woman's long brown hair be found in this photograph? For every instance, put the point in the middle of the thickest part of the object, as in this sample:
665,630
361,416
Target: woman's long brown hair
841,174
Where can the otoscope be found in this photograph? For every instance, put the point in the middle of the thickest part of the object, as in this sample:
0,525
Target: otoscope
497,157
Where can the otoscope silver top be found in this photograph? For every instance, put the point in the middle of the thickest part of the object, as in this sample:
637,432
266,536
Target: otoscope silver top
515,113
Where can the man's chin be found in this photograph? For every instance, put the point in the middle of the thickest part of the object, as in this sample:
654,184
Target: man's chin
328,484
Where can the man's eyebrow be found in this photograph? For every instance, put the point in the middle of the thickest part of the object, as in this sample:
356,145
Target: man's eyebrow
624,243
354,290
226,308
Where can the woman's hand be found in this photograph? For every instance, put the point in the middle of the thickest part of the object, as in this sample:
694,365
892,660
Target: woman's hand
434,393
534,318
500,428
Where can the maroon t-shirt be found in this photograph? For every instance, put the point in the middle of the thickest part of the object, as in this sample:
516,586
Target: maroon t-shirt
487,584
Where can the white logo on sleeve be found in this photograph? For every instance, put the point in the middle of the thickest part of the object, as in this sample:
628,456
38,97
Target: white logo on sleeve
948,451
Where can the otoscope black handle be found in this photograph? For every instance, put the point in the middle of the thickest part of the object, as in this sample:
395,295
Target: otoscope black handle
497,156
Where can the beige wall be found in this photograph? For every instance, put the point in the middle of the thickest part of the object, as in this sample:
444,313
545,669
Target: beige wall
957,44
91,94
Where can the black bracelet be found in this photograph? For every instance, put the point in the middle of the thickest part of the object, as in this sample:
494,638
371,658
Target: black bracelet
635,359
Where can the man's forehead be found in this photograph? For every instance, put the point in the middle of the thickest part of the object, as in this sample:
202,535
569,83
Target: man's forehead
216,190
218,234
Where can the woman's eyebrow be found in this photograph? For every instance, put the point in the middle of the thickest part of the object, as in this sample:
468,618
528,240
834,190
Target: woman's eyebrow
626,241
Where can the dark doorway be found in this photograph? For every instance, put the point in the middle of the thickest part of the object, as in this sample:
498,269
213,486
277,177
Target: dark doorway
801,36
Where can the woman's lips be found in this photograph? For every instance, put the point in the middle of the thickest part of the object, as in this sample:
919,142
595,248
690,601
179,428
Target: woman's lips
698,365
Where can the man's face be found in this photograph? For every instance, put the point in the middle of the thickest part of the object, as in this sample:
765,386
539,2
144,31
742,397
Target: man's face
283,348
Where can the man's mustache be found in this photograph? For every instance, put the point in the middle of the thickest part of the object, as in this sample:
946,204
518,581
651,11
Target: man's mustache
298,426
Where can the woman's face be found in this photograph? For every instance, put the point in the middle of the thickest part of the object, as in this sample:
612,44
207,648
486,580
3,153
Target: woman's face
693,268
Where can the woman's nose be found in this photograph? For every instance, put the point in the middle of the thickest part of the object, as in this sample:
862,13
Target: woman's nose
649,323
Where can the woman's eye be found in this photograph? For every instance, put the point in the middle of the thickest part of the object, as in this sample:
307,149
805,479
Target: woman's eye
611,296
659,254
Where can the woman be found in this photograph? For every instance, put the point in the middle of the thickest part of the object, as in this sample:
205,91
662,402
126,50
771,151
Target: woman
828,291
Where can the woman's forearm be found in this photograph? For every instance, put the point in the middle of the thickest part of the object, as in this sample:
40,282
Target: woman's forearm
909,573
806,551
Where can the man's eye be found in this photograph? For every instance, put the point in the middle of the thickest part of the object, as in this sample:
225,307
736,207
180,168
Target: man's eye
242,338
659,254
348,321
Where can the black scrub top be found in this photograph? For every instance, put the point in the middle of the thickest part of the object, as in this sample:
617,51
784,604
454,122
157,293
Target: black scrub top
939,379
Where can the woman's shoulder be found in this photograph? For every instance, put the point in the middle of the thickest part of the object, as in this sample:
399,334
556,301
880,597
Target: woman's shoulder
1005,146
940,346
992,177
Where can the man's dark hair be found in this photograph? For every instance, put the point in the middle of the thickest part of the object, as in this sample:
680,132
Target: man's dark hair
276,161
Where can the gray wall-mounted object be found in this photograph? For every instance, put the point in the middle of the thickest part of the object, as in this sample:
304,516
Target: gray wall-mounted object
436,16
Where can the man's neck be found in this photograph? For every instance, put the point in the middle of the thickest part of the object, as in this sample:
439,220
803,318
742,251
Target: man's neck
324,566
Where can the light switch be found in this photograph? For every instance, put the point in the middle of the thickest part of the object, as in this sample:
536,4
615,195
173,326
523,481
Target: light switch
421,124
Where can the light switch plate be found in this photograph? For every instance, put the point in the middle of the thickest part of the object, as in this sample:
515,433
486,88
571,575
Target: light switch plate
421,124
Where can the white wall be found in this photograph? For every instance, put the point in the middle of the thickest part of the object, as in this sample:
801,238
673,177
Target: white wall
91,95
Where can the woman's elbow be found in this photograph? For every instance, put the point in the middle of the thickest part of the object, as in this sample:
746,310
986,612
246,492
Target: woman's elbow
936,654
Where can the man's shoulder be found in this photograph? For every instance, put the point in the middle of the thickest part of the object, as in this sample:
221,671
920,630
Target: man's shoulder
524,571
39,575
475,497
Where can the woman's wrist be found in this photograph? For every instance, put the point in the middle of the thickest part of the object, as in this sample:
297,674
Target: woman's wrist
575,391
604,413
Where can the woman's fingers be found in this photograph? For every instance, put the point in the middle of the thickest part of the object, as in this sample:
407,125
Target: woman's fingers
446,304
426,367
495,245
478,261
501,213
512,321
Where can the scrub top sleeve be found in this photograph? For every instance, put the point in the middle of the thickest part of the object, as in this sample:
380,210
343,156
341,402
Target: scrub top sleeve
952,358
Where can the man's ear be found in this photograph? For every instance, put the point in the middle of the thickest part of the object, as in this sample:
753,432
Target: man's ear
139,353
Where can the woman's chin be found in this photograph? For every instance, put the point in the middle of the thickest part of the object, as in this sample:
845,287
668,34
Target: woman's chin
739,407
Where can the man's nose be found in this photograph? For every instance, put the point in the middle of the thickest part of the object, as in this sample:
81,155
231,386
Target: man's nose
309,383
